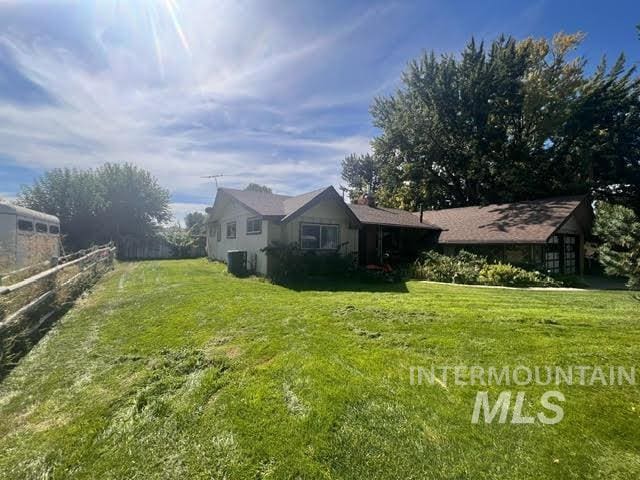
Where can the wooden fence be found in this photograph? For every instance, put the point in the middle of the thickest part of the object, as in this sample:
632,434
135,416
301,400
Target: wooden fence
37,293
155,248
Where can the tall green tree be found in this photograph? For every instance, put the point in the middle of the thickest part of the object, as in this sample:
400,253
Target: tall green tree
362,174
512,121
255,187
618,228
75,197
195,223
134,202
97,206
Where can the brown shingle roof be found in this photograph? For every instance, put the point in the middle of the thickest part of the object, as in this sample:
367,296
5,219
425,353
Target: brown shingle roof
522,222
293,204
389,216
283,207
264,204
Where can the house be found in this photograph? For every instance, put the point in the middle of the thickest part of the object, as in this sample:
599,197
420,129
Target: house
318,221
26,237
548,233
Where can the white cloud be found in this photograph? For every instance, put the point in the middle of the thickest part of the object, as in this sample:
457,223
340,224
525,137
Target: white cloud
219,95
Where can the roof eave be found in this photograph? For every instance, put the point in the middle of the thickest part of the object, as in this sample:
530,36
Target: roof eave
493,242
416,227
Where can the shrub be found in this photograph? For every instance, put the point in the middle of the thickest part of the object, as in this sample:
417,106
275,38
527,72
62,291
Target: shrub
288,262
462,268
468,268
182,243
503,274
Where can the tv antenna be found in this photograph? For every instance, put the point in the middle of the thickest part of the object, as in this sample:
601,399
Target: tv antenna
215,177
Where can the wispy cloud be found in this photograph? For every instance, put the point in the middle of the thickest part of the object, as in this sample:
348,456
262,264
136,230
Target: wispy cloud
203,88
269,92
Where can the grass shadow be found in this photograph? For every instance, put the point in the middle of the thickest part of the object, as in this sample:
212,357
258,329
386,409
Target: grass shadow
18,340
345,285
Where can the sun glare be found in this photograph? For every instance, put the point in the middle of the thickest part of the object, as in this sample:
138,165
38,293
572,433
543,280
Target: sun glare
157,17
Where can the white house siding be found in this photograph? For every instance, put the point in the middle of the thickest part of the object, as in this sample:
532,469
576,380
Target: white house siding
324,213
252,244
329,212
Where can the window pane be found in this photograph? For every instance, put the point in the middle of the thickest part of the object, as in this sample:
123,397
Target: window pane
25,225
329,237
310,236
54,229
552,262
41,228
231,230
254,225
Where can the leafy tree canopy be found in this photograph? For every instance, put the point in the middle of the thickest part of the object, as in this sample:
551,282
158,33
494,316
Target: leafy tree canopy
195,222
95,206
512,121
362,173
255,187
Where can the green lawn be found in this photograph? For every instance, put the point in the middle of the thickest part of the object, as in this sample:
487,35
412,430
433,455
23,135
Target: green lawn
174,369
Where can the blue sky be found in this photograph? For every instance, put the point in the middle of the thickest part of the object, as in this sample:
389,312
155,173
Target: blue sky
273,92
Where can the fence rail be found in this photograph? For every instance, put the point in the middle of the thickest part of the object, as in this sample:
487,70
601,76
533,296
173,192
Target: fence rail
30,302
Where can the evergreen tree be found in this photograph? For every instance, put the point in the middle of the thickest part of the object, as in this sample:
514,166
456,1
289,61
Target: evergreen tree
619,230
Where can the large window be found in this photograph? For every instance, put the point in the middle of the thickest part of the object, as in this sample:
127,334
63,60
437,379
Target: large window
231,230
570,254
319,237
552,255
25,225
41,228
54,229
254,226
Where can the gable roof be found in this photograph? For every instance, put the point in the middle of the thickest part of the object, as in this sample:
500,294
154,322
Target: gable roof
259,203
282,207
389,216
294,204
522,222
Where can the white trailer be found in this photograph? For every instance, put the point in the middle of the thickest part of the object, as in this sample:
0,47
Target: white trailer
26,237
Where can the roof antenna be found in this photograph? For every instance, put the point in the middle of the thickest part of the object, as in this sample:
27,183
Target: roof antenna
215,177
344,189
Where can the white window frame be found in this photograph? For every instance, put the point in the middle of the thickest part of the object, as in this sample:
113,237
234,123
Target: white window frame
235,230
321,226
254,220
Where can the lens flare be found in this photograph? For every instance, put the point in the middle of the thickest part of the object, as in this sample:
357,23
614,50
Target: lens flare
172,8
